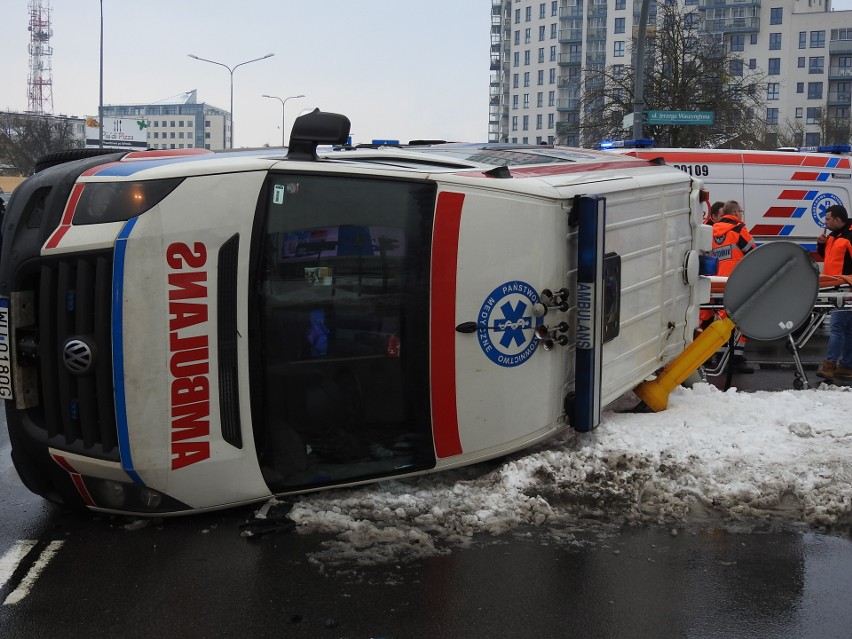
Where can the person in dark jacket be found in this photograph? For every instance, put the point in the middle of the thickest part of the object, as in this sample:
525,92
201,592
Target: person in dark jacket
836,249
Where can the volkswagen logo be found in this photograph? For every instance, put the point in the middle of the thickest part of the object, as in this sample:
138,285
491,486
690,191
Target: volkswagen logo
78,356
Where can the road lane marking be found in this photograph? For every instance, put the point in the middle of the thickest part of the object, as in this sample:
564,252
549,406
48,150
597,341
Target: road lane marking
12,557
30,578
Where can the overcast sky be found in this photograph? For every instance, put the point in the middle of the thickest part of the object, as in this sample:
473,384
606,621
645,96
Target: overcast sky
398,69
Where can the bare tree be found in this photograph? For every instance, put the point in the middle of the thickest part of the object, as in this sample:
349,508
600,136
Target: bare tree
25,137
686,69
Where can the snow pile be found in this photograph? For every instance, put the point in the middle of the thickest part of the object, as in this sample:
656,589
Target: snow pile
712,456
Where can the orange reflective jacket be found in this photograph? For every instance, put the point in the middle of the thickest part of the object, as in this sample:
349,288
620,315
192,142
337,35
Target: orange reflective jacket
837,252
731,241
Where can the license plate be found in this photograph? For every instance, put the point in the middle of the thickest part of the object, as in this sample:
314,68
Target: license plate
5,352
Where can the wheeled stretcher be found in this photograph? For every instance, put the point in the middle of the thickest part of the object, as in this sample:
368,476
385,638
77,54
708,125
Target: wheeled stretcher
835,291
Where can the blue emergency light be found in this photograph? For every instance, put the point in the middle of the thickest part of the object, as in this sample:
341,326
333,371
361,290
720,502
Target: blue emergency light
639,143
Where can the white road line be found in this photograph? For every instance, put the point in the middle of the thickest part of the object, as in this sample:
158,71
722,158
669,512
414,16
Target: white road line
30,578
12,557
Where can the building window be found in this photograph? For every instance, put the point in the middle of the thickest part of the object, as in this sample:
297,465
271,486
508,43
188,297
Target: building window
811,139
772,90
526,124
517,37
527,36
515,101
528,14
814,115
206,123
526,78
841,34
737,42
514,123
619,25
540,77
156,134
799,112
514,80
527,58
517,16
618,49
771,116
539,122
541,32
542,11
816,64
774,67
803,39
776,15
800,87
800,62
814,90
539,99
552,79
774,41
516,59
752,63
736,68
554,8
817,39
526,100
172,123
553,54
541,55
551,119
180,135
753,39
620,5
551,98
553,31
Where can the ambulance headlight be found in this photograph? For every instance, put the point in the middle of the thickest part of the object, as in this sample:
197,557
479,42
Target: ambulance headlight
131,498
102,202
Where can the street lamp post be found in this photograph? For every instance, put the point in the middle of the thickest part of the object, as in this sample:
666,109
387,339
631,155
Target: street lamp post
101,86
231,71
283,101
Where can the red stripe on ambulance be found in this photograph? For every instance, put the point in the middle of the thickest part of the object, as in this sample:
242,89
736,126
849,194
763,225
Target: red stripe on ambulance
189,353
442,371
780,211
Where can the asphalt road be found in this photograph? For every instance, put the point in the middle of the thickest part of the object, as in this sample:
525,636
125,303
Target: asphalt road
72,575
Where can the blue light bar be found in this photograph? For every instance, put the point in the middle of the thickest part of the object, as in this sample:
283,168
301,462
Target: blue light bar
638,143
835,148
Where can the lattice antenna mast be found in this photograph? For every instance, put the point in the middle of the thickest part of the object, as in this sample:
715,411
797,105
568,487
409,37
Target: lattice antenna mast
40,80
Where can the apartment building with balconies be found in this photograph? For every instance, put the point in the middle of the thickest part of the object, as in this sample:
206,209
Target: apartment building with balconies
542,51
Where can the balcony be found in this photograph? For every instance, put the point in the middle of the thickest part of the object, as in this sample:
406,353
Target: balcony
722,4
570,58
596,57
567,36
839,73
568,104
569,13
567,81
838,47
732,25
839,99
596,34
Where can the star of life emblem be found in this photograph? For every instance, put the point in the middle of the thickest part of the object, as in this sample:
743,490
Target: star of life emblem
506,324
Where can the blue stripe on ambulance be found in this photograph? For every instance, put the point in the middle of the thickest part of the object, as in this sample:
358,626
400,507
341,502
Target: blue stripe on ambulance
118,350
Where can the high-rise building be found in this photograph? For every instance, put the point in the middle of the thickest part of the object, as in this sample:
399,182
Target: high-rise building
542,50
179,122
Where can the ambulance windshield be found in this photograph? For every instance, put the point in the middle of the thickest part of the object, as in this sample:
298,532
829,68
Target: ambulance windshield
343,295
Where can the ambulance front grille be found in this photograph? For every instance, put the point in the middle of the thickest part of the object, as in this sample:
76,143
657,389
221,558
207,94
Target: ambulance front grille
74,303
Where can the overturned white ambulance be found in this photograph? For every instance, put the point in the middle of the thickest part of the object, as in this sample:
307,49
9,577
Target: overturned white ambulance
185,330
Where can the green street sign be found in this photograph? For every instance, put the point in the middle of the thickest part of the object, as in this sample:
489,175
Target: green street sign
701,118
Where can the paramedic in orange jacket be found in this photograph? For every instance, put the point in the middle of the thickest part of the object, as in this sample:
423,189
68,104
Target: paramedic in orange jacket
836,250
731,242
731,239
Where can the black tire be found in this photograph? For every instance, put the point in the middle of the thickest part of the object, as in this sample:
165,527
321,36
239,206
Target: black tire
69,155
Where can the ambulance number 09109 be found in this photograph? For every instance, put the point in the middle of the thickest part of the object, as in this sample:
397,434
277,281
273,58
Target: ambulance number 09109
698,170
